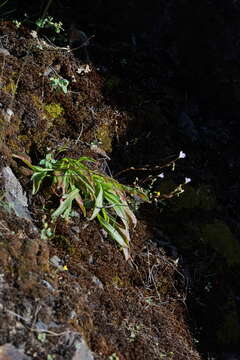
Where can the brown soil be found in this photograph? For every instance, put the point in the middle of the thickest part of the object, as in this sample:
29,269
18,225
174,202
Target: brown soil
135,309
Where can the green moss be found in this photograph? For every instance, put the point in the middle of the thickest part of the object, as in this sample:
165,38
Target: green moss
103,134
53,111
10,87
219,236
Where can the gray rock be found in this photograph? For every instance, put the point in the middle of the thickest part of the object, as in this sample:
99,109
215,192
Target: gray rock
41,326
14,194
230,356
4,52
82,351
57,262
48,285
10,352
97,282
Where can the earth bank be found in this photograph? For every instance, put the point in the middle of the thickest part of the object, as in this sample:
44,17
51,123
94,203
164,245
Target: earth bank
62,297
166,82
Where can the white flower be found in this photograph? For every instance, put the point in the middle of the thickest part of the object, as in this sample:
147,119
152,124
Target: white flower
181,155
34,34
161,175
187,180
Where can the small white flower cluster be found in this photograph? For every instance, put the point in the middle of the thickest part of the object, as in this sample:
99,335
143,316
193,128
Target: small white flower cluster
181,155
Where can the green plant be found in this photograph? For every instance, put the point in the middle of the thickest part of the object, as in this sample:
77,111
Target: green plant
42,337
98,195
59,83
134,331
47,22
113,356
17,23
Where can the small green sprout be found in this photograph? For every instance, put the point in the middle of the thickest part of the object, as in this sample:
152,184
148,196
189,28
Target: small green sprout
17,23
59,83
42,337
46,231
167,356
50,357
113,356
97,195
134,332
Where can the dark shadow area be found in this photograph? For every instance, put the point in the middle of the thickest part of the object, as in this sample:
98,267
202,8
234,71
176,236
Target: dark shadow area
174,68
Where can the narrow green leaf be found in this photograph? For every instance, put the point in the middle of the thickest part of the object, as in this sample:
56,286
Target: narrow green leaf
86,158
104,214
112,231
65,207
98,203
117,206
80,178
115,235
37,179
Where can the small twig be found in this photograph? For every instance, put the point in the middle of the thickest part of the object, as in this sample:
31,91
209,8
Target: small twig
147,167
38,308
17,315
84,43
52,333
79,136
4,227
55,47
49,332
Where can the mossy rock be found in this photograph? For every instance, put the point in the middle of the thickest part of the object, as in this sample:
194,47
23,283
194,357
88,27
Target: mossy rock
155,116
228,332
219,236
202,197
112,83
